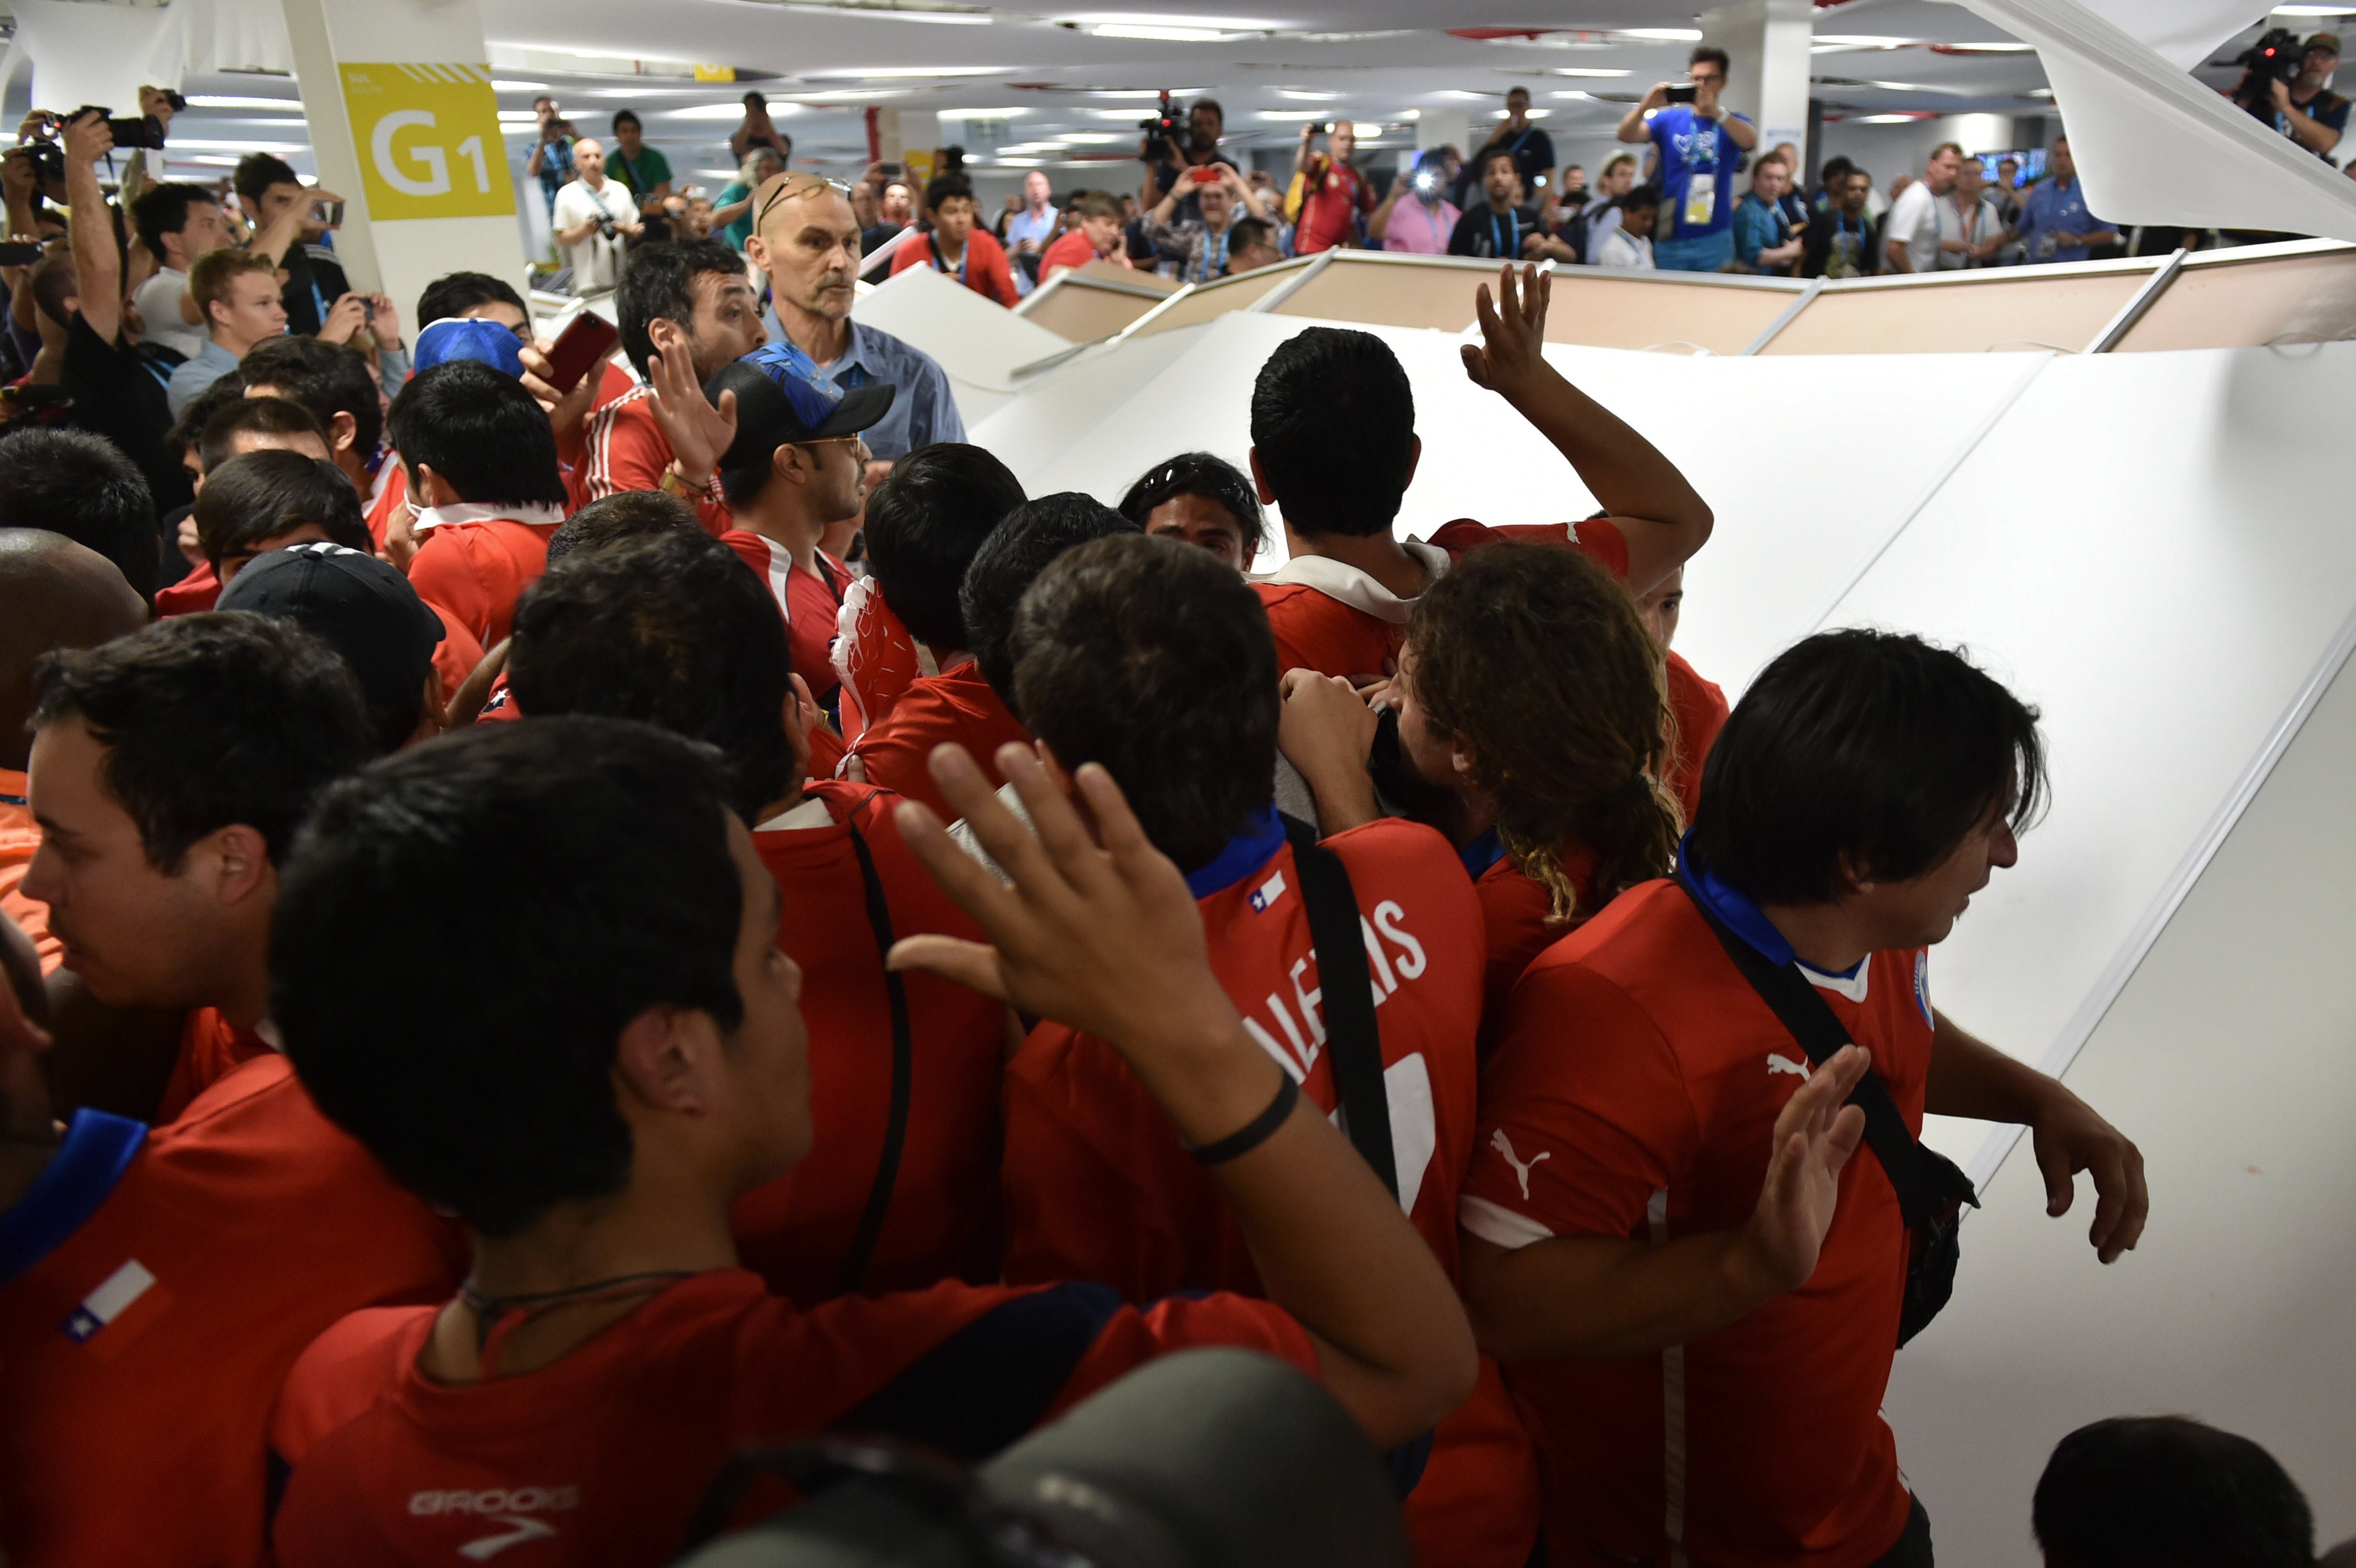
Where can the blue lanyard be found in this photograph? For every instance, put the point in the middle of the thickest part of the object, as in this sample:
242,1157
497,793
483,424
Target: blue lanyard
940,265
1208,268
1516,217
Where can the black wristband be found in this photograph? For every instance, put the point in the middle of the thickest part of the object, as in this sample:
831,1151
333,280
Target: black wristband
1254,1133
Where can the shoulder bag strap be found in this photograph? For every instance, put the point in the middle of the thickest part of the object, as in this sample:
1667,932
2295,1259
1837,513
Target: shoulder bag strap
895,1123
1812,1022
1352,1039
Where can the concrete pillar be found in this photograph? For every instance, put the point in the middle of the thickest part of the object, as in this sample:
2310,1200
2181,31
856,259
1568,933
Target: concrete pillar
405,126
1768,41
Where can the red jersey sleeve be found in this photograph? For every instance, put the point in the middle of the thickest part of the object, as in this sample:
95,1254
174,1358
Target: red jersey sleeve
455,655
990,274
1584,1114
1073,249
191,595
1135,1337
1316,631
210,1050
444,576
1601,539
388,500
1699,708
344,1373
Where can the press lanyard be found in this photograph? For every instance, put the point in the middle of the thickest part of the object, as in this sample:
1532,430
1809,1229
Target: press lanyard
1516,249
941,264
1210,267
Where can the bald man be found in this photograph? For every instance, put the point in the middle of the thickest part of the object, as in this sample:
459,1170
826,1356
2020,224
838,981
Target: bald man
54,593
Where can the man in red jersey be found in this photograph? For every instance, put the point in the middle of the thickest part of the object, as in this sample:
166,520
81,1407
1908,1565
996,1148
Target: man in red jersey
688,307
956,245
54,593
902,620
155,1288
1335,447
670,630
485,492
1152,658
1695,1290
791,469
168,771
970,705
615,994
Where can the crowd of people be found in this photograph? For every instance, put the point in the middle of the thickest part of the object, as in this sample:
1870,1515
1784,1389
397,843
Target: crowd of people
558,930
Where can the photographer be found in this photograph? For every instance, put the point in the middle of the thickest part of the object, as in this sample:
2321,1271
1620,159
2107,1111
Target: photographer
1420,226
1328,192
1201,247
552,156
593,217
1166,159
643,170
1699,142
757,130
289,218
2305,110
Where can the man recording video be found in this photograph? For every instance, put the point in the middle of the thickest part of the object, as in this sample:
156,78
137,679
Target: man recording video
1166,158
2298,105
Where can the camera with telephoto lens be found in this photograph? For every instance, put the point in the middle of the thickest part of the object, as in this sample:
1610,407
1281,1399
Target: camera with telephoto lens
1166,128
2275,56
1203,1459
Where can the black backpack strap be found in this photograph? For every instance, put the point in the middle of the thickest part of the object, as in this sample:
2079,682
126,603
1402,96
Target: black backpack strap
1925,1182
1354,1041
896,1124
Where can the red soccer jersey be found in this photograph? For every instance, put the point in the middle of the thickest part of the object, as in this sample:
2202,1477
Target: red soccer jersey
194,594
212,1048
1333,195
176,1281
983,269
456,655
955,705
601,1457
1700,708
1632,1096
1097,1186
388,501
1073,248
1514,910
808,600
626,450
20,840
875,656
942,1219
474,572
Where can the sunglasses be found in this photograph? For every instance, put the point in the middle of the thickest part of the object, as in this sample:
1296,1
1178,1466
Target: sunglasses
788,188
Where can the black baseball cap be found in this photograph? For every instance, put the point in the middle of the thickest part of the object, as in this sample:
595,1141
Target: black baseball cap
360,606
782,398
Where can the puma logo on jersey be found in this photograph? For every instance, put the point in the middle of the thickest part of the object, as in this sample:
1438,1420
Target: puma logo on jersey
1522,1168
1786,1064
519,1531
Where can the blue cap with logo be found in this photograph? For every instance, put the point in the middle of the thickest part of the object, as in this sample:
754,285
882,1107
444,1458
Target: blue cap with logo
468,337
782,398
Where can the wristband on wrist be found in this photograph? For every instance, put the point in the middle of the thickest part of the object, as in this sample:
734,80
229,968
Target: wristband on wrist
1254,1133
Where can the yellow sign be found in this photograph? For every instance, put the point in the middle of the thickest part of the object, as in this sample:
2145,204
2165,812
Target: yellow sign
715,73
428,139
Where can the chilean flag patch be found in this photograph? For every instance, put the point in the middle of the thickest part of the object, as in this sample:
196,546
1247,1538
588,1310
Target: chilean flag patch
1268,892
114,1296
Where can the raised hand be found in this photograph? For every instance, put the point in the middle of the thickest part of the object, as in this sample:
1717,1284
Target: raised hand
699,433
1510,359
345,317
1326,731
1815,1135
2070,1137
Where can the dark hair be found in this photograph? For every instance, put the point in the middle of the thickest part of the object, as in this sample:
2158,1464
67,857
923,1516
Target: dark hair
941,187
1095,204
1517,87
1210,104
1249,233
1535,660
1875,747
479,428
551,880
629,114
162,209
73,483
1835,168
1494,155
210,720
1711,53
624,514
1022,547
324,378
670,630
185,438
1333,421
53,282
1155,659
257,172
1638,196
242,415
251,499
924,525
1200,473
659,285
454,294
2167,1491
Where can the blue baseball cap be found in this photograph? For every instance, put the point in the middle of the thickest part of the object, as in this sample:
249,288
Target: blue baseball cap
468,337
782,398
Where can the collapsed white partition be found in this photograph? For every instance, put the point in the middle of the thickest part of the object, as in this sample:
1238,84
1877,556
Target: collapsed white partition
978,342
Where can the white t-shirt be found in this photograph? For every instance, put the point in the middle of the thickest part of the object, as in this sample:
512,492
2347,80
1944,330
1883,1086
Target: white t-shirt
158,301
1914,223
1618,248
597,262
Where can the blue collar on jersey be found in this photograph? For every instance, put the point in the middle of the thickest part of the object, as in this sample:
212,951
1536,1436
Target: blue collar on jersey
1744,919
80,1177
1482,853
1247,852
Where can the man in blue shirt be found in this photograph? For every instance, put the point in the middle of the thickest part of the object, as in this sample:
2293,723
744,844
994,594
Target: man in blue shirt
1699,144
1764,238
2055,223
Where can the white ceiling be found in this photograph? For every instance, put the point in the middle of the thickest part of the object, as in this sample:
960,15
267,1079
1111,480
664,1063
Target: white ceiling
1080,77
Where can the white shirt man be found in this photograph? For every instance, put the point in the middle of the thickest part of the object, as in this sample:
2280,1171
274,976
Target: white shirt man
1911,238
593,217
1030,231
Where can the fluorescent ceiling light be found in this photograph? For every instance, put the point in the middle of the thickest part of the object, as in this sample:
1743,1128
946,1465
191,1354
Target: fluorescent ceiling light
2313,10
717,174
284,122
1008,112
1987,49
1574,93
1306,95
1094,138
1143,94
213,100
1459,93
180,142
898,72
1128,114
1587,70
1161,33
1662,35
501,84
1860,40
517,117
1165,20
706,112
1887,119
1535,113
894,14
1296,115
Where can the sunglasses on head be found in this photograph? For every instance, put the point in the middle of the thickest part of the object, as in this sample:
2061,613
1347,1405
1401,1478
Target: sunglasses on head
788,188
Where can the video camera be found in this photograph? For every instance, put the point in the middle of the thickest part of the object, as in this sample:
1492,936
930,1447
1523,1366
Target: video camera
2275,56
1205,1459
1166,128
